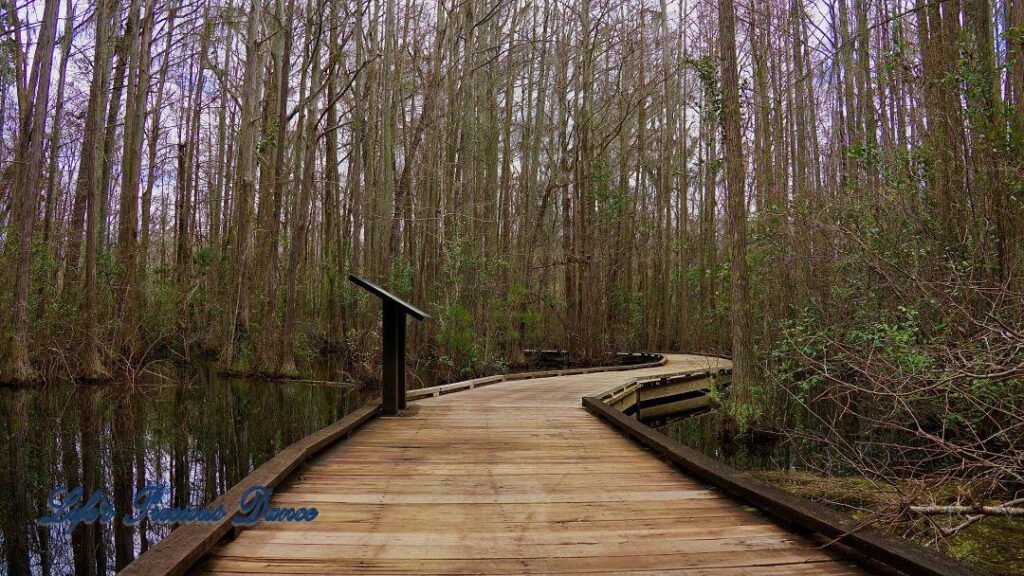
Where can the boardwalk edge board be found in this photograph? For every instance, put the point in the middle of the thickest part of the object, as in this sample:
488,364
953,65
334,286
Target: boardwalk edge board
893,552
651,360
185,545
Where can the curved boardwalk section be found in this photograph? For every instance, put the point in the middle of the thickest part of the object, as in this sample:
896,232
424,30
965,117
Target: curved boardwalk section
512,478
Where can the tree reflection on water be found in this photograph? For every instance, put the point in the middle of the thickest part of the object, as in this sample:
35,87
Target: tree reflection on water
195,431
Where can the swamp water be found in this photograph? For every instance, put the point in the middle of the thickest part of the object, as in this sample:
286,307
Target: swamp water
194,431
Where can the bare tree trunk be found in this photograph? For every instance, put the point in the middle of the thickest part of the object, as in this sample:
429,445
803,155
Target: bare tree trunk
300,223
131,168
52,178
93,158
237,313
735,166
120,68
154,138
16,366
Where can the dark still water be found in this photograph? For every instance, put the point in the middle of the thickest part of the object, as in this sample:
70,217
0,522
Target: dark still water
757,450
196,432
706,433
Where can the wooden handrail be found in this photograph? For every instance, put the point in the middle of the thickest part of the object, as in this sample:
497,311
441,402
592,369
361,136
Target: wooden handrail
654,360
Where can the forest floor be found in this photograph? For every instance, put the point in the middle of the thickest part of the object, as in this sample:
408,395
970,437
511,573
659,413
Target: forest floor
993,544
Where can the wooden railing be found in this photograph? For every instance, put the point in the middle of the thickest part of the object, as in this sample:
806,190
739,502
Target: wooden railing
644,360
622,357
667,397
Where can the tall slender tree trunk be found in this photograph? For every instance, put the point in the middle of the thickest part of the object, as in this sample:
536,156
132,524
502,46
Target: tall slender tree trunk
52,177
16,365
131,167
236,315
154,138
735,166
300,221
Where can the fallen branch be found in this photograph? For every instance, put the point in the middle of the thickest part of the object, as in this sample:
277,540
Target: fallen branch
1006,509
319,382
971,520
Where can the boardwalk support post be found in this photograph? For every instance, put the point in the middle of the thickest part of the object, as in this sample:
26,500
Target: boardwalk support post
393,313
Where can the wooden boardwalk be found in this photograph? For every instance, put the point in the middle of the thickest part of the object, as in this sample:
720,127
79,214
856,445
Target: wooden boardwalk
512,478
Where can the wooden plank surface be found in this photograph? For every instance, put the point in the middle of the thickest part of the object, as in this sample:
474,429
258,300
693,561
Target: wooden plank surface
513,478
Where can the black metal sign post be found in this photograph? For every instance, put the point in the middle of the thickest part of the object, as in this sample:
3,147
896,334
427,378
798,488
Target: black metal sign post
394,310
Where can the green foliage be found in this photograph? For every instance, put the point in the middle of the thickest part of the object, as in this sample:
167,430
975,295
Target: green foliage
975,76
628,305
865,153
8,48
400,275
706,68
44,267
693,277
517,307
267,142
611,201
476,318
455,334
894,60
899,340
1014,34
204,256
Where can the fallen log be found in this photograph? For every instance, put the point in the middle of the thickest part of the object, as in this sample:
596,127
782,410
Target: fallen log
1000,510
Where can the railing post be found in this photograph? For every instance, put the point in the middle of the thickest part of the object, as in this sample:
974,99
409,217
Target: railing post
389,353
399,320
393,379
